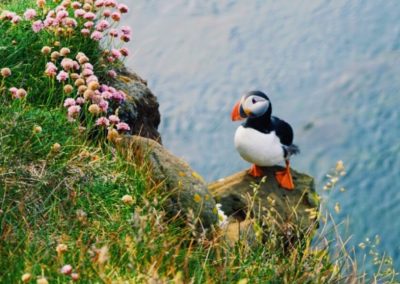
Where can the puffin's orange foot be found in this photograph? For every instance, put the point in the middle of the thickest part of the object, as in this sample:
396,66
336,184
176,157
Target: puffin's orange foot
256,171
284,178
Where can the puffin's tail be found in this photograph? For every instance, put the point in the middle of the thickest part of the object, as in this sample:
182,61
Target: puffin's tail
291,150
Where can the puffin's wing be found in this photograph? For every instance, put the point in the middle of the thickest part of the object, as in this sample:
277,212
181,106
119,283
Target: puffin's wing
283,130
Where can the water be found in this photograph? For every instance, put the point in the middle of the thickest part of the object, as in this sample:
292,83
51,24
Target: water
331,68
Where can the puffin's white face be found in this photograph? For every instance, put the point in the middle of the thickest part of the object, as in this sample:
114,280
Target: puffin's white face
254,106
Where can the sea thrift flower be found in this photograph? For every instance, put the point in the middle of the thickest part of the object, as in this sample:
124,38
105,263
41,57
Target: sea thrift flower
55,55
85,32
30,14
110,3
66,269
76,5
79,13
89,16
88,94
68,89
62,76
37,129
74,276
51,69
87,72
37,26
79,82
46,50
116,16
127,199
61,15
113,33
5,72
124,51
69,102
99,3
116,53
69,22
126,30
122,126
88,25
102,121
93,85
112,74
67,64
114,119
42,280
13,91
123,8
87,7
56,147
82,89
26,277
92,78
96,35
94,109
73,112
107,13
80,101
103,104
102,25
41,3
20,94
125,38
87,66
16,19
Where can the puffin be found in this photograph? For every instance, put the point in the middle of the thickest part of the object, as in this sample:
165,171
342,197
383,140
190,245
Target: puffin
263,140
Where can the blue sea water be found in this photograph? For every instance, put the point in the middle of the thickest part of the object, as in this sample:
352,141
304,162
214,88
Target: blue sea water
331,69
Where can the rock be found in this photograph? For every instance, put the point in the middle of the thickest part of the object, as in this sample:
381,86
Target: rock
188,191
244,197
140,110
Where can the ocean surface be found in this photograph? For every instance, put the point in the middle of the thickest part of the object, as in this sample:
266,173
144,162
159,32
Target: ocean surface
330,68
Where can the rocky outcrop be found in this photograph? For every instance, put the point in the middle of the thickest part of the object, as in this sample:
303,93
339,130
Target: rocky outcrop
140,109
244,197
189,196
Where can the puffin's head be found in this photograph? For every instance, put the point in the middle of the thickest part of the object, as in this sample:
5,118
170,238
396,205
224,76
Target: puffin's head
252,104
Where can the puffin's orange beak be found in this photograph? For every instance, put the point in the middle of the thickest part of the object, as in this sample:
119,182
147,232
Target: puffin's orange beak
235,115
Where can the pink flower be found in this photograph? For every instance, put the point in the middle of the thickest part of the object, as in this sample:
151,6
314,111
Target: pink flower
62,76
125,38
87,66
69,22
122,126
111,59
99,3
79,13
88,25
61,15
69,102
96,35
116,16
92,78
87,72
112,74
107,13
126,30
124,51
16,19
73,111
89,16
13,91
113,33
67,64
102,121
37,26
114,119
123,8
102,25
110,3
51,69
106,95
103,104
80,101
85,32
76,5
30,14
116,53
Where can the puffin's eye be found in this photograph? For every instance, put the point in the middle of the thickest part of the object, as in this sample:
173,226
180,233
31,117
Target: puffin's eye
253,100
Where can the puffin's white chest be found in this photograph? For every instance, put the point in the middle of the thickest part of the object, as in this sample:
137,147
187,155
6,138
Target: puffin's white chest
258,148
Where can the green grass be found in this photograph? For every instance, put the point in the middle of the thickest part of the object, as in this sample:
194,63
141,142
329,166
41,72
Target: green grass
72,196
